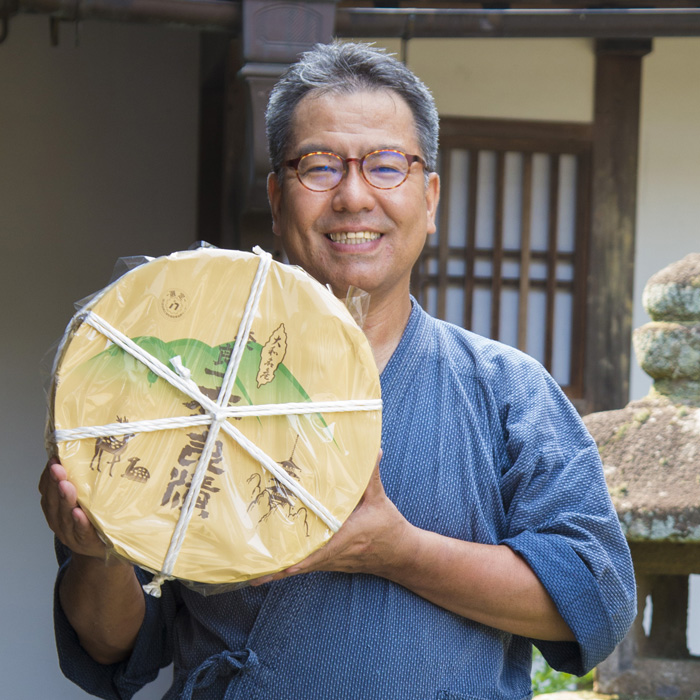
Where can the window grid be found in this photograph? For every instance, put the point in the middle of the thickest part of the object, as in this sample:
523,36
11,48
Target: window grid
529,270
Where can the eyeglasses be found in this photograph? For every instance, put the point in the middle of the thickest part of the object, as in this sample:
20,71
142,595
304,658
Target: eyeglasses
322,171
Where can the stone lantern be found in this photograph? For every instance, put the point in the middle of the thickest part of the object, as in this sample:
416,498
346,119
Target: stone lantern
651,455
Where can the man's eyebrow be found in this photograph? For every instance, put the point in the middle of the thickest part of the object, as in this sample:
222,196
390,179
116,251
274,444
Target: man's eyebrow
312,148
316,148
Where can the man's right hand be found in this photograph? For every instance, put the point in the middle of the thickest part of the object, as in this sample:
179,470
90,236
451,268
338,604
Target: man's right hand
100,596
59,501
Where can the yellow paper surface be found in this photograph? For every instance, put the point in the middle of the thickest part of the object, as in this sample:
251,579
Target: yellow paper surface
303,347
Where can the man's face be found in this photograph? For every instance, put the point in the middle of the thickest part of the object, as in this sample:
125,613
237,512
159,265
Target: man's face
394,222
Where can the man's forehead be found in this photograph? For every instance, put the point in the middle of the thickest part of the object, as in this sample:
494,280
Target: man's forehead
380,107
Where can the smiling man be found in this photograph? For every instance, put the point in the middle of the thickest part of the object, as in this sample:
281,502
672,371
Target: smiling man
487,525
364,225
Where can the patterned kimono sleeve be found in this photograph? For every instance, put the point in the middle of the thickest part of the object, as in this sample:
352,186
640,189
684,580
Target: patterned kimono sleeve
153,649
562,522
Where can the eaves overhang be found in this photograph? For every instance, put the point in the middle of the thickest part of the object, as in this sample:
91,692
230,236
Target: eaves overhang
544,20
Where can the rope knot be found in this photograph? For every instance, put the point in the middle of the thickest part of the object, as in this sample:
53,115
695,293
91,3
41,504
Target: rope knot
225,663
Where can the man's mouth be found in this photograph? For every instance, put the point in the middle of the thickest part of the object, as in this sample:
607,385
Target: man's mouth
354,237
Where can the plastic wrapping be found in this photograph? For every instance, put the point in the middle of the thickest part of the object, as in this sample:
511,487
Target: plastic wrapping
357,303
184,310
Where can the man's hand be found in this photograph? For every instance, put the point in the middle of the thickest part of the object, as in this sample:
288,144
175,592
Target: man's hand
59,501
101,598
366,543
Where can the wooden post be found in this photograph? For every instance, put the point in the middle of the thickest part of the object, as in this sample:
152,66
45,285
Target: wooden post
237,75
274,34
613,218
214,50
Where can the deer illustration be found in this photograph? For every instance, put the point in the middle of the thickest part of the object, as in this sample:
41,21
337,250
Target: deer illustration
136,473
111,444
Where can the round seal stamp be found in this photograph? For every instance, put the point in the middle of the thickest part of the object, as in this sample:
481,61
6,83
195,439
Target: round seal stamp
174,303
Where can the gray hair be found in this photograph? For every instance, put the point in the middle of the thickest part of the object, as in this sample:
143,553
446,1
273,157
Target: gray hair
344,68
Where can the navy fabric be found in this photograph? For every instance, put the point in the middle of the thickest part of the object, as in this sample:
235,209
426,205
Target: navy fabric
479,444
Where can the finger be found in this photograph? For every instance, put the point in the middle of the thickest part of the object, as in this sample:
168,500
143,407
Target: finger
50,495
311,563
84,534
46,476
64,515
68,493
57,471
56,508
50,477
74,523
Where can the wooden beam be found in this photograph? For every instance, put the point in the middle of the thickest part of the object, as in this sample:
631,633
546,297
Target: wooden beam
570,20
613,219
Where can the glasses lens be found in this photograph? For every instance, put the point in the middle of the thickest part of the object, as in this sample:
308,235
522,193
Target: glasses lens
385,169
320,171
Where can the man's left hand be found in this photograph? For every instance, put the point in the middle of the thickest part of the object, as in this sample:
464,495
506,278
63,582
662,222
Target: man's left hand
366,543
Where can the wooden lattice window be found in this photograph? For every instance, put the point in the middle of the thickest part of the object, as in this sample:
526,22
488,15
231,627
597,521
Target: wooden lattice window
509,258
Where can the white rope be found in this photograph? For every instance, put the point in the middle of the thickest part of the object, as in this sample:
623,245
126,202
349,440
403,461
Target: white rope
272,409
141,426
245,325
216,417
281,475
153,363
187,511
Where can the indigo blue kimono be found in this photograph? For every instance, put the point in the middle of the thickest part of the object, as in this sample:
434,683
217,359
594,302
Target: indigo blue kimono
479,444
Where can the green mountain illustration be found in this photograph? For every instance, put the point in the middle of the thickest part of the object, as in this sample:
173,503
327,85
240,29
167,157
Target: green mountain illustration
207,366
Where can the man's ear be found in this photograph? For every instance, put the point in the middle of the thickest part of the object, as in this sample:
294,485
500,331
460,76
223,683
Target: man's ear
274,196
432,198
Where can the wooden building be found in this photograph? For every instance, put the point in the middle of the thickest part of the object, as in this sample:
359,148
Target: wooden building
569,162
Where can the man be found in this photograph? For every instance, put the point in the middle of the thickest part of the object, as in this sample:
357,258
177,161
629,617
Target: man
487,526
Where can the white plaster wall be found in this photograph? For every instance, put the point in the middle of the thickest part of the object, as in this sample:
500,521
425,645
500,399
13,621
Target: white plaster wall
97,160
504,78
508,78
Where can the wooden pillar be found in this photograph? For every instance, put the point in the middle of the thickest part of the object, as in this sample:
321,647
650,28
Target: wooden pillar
236,76
214,50
613,218
274,34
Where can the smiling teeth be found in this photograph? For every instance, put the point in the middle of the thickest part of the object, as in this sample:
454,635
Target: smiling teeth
354,237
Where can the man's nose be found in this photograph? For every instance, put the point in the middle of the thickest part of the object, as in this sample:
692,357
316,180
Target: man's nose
353,193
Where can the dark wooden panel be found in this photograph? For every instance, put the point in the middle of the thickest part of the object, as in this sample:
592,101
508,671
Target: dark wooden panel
515,135
213,57
613,220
